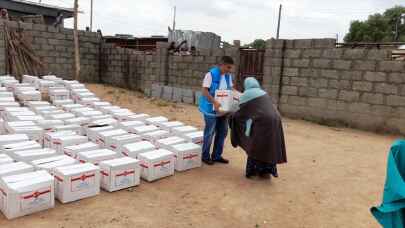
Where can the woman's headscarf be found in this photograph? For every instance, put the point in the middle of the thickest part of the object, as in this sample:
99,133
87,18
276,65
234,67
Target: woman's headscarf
252,90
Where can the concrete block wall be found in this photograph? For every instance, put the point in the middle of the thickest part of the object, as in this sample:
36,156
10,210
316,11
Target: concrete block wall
312,79
129,68
55,48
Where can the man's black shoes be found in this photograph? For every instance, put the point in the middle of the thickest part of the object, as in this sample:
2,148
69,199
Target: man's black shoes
208,161
221,160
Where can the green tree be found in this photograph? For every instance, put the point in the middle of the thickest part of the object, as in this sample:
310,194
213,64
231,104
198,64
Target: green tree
257,44
377,28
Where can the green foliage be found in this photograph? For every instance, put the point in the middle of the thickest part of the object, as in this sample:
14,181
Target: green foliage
377,28
257,44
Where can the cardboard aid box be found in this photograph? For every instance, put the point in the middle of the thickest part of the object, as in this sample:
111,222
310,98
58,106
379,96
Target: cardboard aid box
122,116
63,116
92,130
196,137
26,193
25,145
60,142
109,121
48,136
5,159
30,155
143,129
156,120
71,127
134,149
156,135
13,138
104,136
116,142
59,103
188,156
69,107
99,104
72,151
139,117
49,164
75,182
166,143
15,168
120,173
88,101
156,164
33,132
128,124
96,156
169,125
225,98
47,125
180,131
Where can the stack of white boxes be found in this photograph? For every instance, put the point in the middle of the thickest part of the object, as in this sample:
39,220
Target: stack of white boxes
80,145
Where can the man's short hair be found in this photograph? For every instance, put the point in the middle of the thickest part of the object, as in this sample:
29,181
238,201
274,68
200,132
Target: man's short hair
226,60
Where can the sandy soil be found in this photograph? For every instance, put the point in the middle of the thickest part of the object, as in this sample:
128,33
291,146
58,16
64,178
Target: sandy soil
333,176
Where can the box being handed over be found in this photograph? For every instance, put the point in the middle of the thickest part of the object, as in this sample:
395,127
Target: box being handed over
228,99
77,182
156,164
120,173
26,193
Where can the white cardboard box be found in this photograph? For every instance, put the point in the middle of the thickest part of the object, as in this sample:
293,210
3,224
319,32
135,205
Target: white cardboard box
49,164
90,113
225,98
26,193
156,135
58,143
134,149
31,155
104,136
128,124
181,131
20,146
169,125
5,159
196,137
77,182
91,131
116,142
32,104
96,156
69,107
47,125
48,136
156,164
99,104
15,168
122,116
139,117
7,139
59,103
156,120
120,173
109,121
71,127
167,142
188,156
73,150
143,129
63,116
33,132
29,118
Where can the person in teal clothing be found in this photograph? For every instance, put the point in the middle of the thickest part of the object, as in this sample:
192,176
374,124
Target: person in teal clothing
391,213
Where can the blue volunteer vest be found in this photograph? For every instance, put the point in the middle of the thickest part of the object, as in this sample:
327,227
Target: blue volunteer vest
205,106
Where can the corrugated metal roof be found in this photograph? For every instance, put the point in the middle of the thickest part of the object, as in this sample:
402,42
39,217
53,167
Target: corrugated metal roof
44,5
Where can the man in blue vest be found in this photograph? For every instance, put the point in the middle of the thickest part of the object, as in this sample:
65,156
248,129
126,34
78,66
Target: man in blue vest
216,124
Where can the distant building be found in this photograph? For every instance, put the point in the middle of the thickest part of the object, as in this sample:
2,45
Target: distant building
196,39
138,43
21,10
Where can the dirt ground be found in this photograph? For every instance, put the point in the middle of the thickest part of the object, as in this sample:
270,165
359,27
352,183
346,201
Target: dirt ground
332,178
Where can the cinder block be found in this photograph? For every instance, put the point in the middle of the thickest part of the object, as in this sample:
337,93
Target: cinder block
177,95
386,88
188,100
375,76
368,65
342,64
167,93
335,53
351,75
354,53
391,66
314,53
350,96
321,63
362,86
157,91
334,74
328,93
372,98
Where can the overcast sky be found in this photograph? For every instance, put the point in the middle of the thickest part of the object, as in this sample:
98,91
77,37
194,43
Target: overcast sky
245,20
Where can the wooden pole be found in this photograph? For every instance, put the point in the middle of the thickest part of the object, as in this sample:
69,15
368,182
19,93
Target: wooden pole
278,23
76,41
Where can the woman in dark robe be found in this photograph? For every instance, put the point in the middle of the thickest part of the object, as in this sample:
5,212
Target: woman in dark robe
257,128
